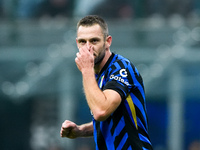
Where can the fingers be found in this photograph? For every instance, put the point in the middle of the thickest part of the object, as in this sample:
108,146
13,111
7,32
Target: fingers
84,54
66,128
85,58
78,55
69,129
86,49
65,132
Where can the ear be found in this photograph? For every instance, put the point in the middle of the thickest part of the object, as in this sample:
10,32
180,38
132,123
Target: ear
108,42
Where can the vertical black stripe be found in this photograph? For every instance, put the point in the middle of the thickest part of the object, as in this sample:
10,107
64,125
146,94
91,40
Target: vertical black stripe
147,146
126,146
140,115
119,138
100,139
139,96
117,115
133,138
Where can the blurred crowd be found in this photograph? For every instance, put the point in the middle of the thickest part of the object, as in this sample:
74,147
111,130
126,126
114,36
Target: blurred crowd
28,9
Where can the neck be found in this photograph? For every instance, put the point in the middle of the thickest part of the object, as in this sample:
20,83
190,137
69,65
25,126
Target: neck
100,65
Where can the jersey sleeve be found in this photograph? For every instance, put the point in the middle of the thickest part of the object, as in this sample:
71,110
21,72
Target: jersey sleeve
119,78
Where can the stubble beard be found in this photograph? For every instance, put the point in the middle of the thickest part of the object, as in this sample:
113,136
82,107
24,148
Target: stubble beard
99,58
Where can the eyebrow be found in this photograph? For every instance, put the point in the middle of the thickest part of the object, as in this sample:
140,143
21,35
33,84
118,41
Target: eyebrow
95,38
81,39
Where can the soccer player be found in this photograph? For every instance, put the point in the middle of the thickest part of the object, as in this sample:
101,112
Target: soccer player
114,92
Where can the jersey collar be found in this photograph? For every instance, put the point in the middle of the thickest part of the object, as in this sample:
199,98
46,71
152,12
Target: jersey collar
107,64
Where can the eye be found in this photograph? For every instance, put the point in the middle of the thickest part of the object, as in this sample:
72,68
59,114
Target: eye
94,41
81,41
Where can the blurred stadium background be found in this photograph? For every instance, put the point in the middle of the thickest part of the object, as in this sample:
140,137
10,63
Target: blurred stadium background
40,85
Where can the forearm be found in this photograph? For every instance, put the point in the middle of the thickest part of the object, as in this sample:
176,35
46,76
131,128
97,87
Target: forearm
86,130
96,99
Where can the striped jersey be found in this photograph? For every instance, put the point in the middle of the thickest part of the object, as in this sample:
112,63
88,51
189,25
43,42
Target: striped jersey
126,128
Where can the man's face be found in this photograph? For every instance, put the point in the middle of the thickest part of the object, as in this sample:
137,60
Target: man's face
92,37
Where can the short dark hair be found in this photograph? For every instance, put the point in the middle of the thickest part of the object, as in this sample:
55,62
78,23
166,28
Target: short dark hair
92,20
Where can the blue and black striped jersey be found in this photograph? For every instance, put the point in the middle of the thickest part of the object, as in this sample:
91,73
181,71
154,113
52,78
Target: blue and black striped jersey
126,128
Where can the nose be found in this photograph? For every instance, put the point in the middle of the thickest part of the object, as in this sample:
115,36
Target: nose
88,44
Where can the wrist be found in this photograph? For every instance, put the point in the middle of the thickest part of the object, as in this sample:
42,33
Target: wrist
88,71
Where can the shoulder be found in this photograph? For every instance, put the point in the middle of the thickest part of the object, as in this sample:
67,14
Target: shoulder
121,62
